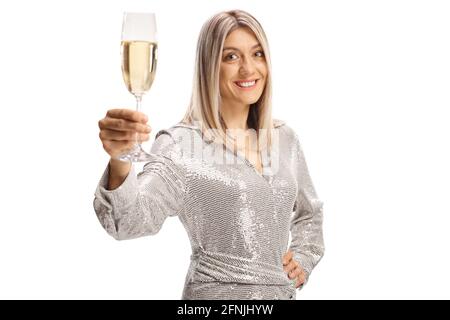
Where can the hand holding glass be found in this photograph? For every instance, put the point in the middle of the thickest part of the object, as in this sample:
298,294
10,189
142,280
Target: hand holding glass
139,56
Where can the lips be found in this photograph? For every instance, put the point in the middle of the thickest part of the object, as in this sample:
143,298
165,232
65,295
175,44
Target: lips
246,84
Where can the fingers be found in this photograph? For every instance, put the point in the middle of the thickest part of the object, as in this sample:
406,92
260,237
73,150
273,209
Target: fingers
287,257
122,135
291,266
120,129
123,125
294,273
127,114
301,278
294,269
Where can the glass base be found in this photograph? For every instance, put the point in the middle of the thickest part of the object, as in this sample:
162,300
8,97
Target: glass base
137,154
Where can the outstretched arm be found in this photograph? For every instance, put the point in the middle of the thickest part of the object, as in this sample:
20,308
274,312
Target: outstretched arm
139,206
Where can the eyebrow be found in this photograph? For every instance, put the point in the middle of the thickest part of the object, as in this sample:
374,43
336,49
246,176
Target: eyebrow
233,48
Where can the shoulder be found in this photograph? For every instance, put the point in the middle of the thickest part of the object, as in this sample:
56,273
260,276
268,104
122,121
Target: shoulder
285,129
179,137
177,130
289,139
278,123
184,133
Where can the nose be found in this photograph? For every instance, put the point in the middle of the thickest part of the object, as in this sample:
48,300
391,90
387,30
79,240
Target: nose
247,67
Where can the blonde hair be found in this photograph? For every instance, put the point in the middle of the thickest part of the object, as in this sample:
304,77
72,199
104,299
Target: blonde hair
205,100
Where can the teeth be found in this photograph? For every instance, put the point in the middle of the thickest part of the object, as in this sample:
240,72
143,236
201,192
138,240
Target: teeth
246,84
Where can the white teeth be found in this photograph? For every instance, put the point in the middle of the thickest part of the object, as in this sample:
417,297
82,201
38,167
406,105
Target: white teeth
246,84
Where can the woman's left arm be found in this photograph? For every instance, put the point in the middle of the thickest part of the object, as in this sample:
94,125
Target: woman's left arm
307,243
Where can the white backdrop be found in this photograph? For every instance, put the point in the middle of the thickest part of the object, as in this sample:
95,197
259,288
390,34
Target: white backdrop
365,84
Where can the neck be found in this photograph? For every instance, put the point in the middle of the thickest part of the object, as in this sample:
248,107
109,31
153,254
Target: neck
235,115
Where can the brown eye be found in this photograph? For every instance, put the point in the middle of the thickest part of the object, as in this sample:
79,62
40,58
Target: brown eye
259,54
230,56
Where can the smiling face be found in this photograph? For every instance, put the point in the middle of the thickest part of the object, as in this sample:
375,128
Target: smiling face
243,68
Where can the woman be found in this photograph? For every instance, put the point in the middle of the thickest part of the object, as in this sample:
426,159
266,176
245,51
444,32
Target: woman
231,173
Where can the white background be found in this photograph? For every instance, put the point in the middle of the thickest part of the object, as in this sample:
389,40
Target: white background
365,84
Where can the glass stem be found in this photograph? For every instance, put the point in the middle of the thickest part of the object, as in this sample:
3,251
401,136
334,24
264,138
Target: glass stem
138,108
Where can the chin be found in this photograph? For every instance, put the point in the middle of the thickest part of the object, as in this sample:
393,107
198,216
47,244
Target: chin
247,102
250,100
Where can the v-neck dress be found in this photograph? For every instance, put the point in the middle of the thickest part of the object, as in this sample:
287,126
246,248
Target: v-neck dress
237,219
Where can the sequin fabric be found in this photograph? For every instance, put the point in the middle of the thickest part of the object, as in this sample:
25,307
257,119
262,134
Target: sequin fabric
238,219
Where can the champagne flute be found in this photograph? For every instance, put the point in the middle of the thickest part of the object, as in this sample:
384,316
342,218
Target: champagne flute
139,55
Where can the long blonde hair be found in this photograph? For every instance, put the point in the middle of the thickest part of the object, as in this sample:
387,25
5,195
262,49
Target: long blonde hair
205,100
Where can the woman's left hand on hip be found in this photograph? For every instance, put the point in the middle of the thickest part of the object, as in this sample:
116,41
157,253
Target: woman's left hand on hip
293,269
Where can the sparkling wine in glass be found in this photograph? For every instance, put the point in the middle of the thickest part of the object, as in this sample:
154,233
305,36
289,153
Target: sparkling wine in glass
139,56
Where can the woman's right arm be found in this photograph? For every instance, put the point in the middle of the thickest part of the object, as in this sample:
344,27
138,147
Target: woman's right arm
130,205
118,171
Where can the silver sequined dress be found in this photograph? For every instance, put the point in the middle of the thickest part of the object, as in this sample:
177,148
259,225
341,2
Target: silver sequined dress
237,219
